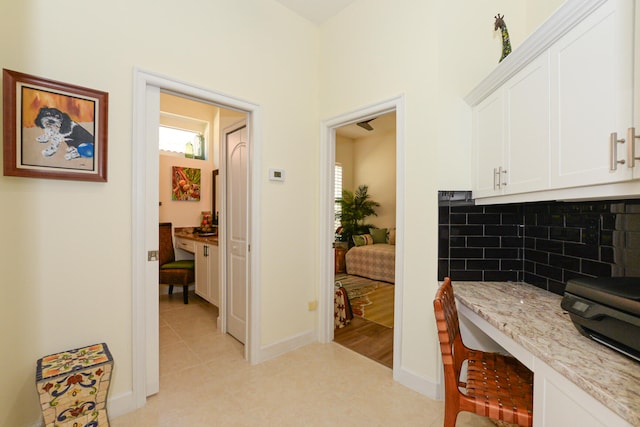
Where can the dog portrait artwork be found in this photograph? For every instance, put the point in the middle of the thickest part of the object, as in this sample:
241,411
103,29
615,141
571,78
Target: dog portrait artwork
53,129
59,130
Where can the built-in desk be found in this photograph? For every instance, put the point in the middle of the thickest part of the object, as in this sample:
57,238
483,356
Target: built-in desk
577,382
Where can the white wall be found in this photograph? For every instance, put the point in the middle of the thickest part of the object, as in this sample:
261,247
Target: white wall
373,51
344,155
371,161
375,166
433,52
66,252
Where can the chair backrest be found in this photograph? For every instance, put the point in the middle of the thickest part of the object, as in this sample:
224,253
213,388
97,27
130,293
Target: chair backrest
453,350
166,244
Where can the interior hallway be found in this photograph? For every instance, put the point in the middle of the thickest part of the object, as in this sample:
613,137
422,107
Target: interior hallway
204,381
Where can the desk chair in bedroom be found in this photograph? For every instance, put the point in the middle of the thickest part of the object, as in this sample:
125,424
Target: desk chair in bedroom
496,386
174,272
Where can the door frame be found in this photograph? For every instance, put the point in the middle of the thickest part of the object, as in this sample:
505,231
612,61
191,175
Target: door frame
326,238
144,289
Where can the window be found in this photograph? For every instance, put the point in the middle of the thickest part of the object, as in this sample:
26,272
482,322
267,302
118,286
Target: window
175,131
175,140
337,192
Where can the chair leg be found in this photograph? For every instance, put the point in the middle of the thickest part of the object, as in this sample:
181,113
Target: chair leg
185,291
450,415
170,289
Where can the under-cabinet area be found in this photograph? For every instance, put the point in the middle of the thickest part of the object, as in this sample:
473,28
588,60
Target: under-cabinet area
577,382
205,252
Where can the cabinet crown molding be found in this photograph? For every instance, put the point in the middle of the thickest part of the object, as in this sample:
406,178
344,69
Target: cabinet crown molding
570,14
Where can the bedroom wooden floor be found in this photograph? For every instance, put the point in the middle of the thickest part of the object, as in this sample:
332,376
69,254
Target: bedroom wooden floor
368,339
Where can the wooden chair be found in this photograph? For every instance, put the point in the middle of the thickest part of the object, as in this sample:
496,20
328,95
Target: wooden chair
174,272
496,386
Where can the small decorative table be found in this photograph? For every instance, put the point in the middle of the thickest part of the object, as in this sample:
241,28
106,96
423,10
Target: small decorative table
73,387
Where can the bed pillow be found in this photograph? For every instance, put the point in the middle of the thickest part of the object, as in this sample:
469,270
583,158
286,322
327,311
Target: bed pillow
391,236
362,239
379,235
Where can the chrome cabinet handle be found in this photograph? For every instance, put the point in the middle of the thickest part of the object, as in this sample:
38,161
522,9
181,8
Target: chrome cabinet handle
631,148
495,173
613,147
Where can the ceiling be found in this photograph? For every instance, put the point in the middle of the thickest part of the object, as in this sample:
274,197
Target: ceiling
380,124
316,11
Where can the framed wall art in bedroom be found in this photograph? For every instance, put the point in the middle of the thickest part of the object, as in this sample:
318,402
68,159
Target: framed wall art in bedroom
53,130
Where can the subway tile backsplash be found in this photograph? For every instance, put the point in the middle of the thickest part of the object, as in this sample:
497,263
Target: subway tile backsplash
544,244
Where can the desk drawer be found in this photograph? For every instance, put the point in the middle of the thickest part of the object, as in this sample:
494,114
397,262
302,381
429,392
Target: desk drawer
186,245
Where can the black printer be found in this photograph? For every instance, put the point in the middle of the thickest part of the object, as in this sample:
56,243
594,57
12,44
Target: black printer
607,310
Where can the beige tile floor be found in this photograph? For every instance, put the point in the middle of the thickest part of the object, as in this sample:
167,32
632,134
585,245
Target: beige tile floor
204,381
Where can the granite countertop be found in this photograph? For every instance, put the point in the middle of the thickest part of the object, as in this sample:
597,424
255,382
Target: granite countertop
187,233
534,319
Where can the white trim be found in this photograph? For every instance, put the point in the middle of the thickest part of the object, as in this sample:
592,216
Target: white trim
570,14
417,383
326,238
140,296
282,347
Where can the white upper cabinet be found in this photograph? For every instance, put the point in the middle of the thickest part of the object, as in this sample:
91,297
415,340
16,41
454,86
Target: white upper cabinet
555,114
592,86
527,99
511,134
488,144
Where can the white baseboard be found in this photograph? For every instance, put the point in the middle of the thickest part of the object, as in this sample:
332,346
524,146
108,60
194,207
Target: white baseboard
416,383
121,404
278,349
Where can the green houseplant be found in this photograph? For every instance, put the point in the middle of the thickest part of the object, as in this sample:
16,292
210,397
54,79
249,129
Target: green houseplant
355,207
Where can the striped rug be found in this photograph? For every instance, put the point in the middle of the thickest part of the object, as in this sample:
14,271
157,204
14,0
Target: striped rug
370,299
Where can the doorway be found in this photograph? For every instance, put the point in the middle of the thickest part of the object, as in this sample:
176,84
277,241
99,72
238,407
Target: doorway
328,156
145,290
366,235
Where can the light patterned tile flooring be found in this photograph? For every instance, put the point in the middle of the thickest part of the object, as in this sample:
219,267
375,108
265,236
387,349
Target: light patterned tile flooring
204,381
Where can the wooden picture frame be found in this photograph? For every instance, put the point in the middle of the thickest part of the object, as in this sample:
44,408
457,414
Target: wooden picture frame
53,130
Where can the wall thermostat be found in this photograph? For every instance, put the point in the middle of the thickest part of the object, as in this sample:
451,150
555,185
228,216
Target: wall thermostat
276,174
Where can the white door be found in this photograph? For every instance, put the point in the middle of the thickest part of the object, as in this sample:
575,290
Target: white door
236,231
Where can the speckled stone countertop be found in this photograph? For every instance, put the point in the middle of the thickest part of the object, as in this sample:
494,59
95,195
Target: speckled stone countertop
187,233
534,319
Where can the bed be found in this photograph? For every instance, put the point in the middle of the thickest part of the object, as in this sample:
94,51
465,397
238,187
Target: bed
376,261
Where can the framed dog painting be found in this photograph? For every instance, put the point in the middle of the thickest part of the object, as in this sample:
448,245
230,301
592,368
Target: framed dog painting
53,130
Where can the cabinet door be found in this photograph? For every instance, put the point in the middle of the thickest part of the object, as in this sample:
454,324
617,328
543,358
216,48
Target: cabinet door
592,91
528,121
636,103
214,275
559,402
488,131
202,270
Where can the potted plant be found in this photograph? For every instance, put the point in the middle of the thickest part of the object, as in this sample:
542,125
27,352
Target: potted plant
355,207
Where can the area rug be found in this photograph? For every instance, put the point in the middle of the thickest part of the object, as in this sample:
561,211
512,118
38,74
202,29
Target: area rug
370,299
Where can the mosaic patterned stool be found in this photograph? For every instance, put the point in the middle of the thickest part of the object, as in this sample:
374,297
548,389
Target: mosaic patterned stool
73,387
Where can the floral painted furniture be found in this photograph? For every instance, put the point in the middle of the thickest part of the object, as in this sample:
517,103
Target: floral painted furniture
73,386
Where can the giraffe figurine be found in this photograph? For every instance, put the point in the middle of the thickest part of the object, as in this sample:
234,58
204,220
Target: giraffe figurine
506,43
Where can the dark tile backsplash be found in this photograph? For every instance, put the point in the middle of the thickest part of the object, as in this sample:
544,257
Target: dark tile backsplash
545,244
